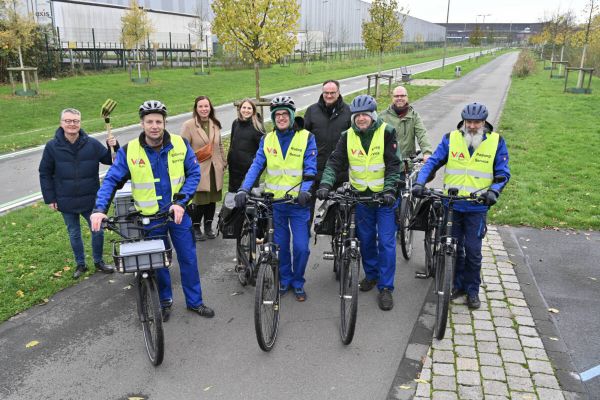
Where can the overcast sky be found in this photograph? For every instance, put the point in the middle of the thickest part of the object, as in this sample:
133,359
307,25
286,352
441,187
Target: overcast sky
499,10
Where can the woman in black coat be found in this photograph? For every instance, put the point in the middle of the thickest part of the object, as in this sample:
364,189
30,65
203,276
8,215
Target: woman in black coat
246,133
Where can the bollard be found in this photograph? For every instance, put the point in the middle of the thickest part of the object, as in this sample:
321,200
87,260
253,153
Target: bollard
457,71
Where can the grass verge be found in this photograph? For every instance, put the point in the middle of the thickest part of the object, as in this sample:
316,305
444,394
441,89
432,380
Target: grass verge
554,145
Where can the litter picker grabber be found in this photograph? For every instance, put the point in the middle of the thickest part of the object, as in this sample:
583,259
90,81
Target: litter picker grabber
107,108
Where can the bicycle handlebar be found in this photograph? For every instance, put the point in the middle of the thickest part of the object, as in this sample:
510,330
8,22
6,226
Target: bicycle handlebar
438,193
355,197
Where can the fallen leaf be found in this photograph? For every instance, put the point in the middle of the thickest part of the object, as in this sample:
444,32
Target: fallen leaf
20,293
32,267
421,380
592,278
553,338
524,247
135,398
66,268
46,301
13,223
31,344
111,281
236,293
127,287
206,389
553,310
57,274
405,387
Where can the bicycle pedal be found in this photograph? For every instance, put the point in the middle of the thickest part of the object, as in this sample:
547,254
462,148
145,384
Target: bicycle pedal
421,275
328,255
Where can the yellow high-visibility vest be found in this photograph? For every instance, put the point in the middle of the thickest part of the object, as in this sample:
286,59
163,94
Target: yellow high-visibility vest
143,181
284,174
367,169
470,173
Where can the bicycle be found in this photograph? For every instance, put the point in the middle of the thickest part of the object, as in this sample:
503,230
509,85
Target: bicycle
346,254
142,255
408,204
247,244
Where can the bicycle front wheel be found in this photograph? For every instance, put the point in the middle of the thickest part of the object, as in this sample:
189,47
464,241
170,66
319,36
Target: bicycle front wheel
407,210
151,318
349,276
443,287
266,306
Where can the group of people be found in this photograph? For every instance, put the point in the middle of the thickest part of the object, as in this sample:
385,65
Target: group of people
335,142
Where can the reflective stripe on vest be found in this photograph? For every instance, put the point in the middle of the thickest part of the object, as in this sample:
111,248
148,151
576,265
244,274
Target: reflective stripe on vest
470,173
367,170
143,181
284,173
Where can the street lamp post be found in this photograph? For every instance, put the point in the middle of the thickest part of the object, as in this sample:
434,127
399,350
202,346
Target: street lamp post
483,15
446,36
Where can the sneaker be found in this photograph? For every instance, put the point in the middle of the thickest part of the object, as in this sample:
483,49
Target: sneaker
203,311
199,235
283,289
165,309
80,270
107,269
210,234
456,293
300,294
385,299
473,302
366,284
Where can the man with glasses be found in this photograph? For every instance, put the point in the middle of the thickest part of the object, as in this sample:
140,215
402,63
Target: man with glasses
69,181
326,120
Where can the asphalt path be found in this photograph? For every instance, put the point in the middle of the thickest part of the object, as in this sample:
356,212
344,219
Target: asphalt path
19,171
91,346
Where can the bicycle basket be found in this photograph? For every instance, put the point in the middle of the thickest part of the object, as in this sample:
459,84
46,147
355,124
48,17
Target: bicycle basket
134,256
420,219
231,218
325,218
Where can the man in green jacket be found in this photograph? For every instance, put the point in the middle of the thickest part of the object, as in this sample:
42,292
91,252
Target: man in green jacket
408,125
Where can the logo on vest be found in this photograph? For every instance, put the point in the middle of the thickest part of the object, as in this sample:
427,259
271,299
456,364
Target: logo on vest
138,162
272,150
457,155
357,152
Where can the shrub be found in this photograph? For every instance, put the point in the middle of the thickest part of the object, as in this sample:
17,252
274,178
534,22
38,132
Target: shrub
525,64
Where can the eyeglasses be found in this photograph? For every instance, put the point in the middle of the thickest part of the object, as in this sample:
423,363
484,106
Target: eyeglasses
282,115
71,121
400,95
330,93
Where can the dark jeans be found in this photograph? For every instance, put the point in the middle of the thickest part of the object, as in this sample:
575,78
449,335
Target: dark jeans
72,221
469,228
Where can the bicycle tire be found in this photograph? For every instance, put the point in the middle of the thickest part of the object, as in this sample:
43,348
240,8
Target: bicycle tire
266,306
349,278
337,256
151,318
443,286
406,235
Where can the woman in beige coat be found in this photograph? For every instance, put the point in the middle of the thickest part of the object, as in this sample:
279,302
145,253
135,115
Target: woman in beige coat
202,129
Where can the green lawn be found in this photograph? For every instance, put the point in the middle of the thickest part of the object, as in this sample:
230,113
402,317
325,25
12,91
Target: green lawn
33,120
554,145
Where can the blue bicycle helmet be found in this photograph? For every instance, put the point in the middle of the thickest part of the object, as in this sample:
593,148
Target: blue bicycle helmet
474,112
363,104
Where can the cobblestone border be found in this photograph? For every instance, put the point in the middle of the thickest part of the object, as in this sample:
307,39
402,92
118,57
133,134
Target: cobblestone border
500,351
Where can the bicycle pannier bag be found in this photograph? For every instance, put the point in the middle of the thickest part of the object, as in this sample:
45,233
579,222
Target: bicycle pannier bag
231,218
325,218
420,220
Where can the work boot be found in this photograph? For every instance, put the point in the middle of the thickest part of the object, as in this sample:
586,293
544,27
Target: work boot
203,311
165,309
385,299
473,302
80,270
210,234
366,284
107,269
198,234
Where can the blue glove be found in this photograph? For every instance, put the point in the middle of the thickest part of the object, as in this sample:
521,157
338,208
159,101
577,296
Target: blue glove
240,198
323,193
388,199
304,198
488,198
418,190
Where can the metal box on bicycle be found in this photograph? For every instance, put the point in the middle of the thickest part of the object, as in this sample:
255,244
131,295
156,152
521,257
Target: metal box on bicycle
140,255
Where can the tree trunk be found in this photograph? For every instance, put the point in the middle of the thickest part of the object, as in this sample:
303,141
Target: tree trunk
22,72
139,66
378,74
580,75
257,88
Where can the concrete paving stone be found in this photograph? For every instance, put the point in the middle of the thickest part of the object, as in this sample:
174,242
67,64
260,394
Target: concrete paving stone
505,265
491,265
550,394
523,396
439,395
500,253
494,388
425,374
483,325
470,392
508,278
514,356
515,294
444,344
521,311
464,340
540,366
494,287
489,336
493,360
500,257
469,378
489,347
467,364
481,314
493,373
493,397
427,361
513,369
533,353
504,332
509,344
422,398
488,260
423,390
506,271
517,302
496,245
520,384
489,272
503,321
461,319
527,321
492,279
465,351
440,382
496,296
501,311
528,331
443,356
460,309
463,329
532,342
443,369
545,381
511,286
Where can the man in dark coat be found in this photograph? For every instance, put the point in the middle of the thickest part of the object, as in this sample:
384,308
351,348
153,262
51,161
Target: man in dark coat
327,119
69,181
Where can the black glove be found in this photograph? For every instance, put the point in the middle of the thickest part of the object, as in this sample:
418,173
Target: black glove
388,199
417,190
488,198
323,193
304,198
240,198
